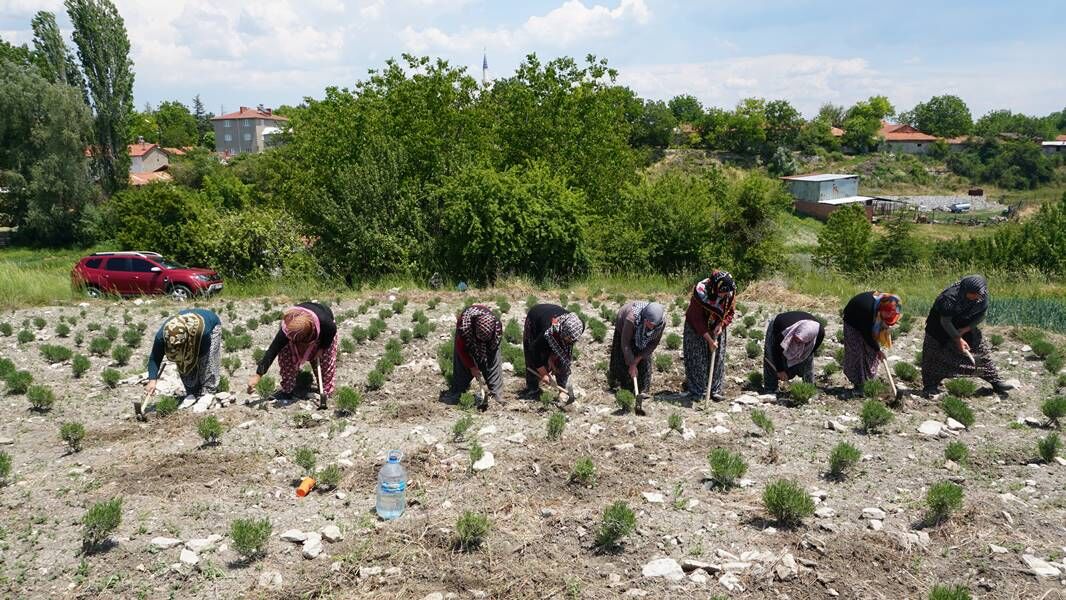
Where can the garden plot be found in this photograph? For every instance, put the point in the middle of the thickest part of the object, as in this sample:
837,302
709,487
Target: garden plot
882,502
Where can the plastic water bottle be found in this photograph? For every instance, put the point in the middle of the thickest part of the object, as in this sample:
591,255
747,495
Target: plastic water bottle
392,488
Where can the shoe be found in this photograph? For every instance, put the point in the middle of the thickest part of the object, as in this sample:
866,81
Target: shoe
719,397
929,392
1002,388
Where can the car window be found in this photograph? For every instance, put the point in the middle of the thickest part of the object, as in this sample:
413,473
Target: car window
94,263
118,264
171,264
139,265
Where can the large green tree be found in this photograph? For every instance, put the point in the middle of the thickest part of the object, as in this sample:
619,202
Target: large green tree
686,108
944,116
862,123
654,126
104,52
176,124
845,241
53,56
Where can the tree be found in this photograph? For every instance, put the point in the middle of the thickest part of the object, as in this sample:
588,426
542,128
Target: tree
103,49
862,123
999,122
686,108
783,125
844,242
19,55
177,125
817,134
832,114
54,58
714,128
942,116
655,125
747,127
203,120
898,247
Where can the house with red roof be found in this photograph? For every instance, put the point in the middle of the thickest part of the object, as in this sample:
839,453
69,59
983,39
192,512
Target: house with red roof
1055,147
246,130
147,158
905,139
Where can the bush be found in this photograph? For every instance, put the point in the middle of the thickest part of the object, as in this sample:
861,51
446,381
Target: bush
422,329
1054,362
406,335
250,537
843,457
514,355
906,371
1054,409
673,341
348,400
787,502
72,434
958,409
359,334
132,337
957,452
598,330
111,333
99,346
375,380
110,377
305,459
547,399
445,359
845,241
944,592
801,392
512,332
996,340
7,367
121,355
398,306
942,500
874,388
838,355
18,382
755,379
266,386
961,388
675,422
39,323
1048,447
79,365
348,346
726,468
210,430
584,472
618,522
875,415
763,422
5,467
6,330
830,369
462,426
329,477
25,336
471,528
53,354
99,522
166,405
556,425
752,348
302,420
626,400
467,401
1043,348
475,453
41,398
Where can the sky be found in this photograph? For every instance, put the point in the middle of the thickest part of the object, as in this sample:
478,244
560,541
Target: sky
992,53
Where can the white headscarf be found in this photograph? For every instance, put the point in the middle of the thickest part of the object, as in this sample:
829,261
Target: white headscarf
799,341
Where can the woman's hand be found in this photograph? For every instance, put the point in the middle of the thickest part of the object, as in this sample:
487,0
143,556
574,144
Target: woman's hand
253,381
962,345
712,342
149,388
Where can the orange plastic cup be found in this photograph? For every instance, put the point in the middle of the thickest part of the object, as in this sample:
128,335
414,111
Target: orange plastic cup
306,485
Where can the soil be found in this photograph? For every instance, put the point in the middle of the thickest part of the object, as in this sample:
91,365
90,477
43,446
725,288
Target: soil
541,543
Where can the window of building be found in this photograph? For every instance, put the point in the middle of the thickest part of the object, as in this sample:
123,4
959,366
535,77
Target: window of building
226,123
229,138
247,136
249,122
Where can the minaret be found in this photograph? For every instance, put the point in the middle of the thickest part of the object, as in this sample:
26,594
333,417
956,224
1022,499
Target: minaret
484,69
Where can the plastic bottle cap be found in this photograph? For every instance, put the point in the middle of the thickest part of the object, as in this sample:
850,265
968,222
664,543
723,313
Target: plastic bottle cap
394,456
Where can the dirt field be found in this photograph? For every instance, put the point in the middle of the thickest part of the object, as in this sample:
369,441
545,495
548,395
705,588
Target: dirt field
541,544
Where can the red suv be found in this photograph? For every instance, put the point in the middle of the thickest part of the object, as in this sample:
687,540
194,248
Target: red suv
136,273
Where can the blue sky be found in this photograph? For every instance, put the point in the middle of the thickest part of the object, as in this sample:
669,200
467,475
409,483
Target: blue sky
994,54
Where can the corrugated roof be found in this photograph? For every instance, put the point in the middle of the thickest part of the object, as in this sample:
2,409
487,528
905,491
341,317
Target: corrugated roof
846,200
819,177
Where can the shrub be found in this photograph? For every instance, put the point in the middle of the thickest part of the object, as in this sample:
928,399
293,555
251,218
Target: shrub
347,346
1060,383
111,333
504,306
302,420
741,332
996,340
329,477
626,400
1048,447
514,355
348,400
755,379
1054,409
618,522
467,401
906,371
675,319
99,346
6,330
471,528
166,405
41,398
787,502
210,430
838,355
7,367
132,337
801,392
726,468
39,323
1043,348
842,458
763,422
942,499
1054,362
79,364
99,521
749,320
874,388
673,341
584,472
110,377
752,348
265,387
257,355
461,427
675,422
96,326
918,358
305,459
384,313
25,336
79,339
5,467
121,355
958,409
830,369
475,452
359,334
961,388
512,332
598,330
875,415
957,452
547,399
72,434
398,306
445,359
944,592
556,425
62,330
18,382
422,330
406,335
250,536
663,362
375,380
53,354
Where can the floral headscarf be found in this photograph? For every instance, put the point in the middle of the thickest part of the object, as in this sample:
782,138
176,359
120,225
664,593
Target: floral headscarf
181,340
719,281
481,332
561,336
647,311
888,309
300,325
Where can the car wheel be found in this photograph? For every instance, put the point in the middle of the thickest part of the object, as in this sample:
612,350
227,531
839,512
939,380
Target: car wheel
93,291
180,293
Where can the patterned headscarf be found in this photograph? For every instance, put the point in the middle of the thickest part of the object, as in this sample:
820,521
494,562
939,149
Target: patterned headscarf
953,302
799,340
181,341
887,310
645,311
719,281
301,326
561,336
481,332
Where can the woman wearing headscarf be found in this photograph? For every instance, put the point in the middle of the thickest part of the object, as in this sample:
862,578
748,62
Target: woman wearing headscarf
308,333
548,341
477,352
792,340
192,342
710,311
953,344
868,320
638,328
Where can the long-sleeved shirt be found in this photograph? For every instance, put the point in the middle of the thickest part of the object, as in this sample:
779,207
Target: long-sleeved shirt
538,320
460,345
860,313
701,316
944,328
155,359
777,335
626,321
327,330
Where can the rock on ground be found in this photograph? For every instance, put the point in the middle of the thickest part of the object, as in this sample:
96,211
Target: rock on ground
664,567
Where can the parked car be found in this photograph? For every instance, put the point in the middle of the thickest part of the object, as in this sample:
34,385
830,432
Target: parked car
138,273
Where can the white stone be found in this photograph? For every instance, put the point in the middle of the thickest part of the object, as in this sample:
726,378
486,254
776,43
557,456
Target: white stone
746,483
731,582
653,497
718,430
736,565
203,544
246,425
189,557
270,579
312,546
434,596
825,512
876,524
365,572
786,568
1027,348
293,535
689,564
691,503
663,567
164,542
930,428
517,438
625,446
6,441
332,533
688,434
487,430
873,513
1013,382
507,367
203,403
596,429
697,577
1040,567
486,462
747,399
994,549
1060,460
954,425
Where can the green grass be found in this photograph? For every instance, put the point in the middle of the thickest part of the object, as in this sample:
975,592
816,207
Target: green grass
949,592
471,529
957,452
584,472
99,521
875,416
763,422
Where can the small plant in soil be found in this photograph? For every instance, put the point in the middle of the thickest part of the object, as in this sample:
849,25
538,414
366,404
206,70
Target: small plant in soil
618,522
210,430
25,336
752,348
598,330
7,367
838,355
949,592
471,529
1048,447
249,537
787,502
762,421
942,500
663,362
303,420
1043,348
906,371
348,346
265,387
62,330
755,380
801,392
6,330
422,329
39,323
305,459
996,340
359,334
79,364
72,433
257,355
584,472
375,380
556,425
132,337
461,426
121,355
53,354
961,388
726,468
957,452
406,335
329,477
475,453
957,409
512,332
166,405
348,400
1054,362
18,382
41,398
874,388
673,341
675,319
99,522
398,306
749,320
110,377
5,467
875,416
675,422
1054,410
626,400
547,399
111,333
830,369
842,459
99,346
